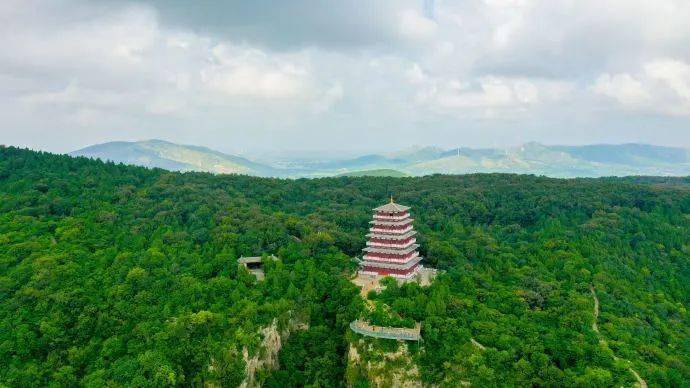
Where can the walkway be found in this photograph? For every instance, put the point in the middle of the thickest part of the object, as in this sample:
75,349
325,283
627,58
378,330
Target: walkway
367,283
641,383
396,333
477,344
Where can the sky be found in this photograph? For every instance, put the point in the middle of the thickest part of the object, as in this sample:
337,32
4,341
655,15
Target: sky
350,75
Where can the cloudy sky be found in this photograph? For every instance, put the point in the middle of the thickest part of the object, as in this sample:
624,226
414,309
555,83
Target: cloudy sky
249,76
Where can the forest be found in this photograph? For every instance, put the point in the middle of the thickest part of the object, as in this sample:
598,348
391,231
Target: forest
114,275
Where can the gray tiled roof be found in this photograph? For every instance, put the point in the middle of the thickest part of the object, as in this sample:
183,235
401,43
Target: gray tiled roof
253,259
392,207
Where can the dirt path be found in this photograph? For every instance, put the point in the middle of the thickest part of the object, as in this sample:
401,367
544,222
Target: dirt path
477,344
596,309
641,383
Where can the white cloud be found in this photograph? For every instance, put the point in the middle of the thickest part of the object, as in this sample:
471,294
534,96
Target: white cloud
329,97
674,73
126,59
661,85
111,67
74,94
248,72
621,87
415,26
501,96
115,41
415,74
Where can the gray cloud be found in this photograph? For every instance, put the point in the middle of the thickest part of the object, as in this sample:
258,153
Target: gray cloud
366,75
287,25
576,39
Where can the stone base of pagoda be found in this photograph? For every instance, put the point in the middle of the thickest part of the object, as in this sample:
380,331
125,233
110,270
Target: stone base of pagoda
398,274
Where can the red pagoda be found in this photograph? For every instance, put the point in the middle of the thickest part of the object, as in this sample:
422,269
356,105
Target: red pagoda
391,247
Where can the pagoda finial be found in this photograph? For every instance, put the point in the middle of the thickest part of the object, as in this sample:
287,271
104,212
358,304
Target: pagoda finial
391,198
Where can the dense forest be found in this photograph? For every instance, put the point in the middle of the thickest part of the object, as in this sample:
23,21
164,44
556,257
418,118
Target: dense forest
114,275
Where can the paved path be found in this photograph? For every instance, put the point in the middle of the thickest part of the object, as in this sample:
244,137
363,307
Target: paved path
368,283
641,383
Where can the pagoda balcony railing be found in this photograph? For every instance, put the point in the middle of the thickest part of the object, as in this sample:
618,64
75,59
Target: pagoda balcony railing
392,251
402,222
385,245
392,237
400,240
363,261
391,231
391,218
407,265
377,260
373,260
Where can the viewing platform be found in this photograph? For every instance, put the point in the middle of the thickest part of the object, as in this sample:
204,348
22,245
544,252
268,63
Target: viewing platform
396,333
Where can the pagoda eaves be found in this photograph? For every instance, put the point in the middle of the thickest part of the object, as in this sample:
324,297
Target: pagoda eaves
399,257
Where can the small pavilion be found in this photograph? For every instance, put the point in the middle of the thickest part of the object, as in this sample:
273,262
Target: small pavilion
255,265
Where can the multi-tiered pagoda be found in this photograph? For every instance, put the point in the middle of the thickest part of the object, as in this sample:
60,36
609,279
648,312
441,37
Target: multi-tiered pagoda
391,247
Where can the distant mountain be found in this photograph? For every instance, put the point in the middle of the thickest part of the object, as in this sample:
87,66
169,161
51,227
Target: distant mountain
379,172
171,156
627,154
562,161
534,158
418,154
530,158
359,163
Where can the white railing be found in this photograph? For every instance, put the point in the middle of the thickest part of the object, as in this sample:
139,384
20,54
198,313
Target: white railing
392,218
403,260
391,237
405,221
385,245
390,231
396,333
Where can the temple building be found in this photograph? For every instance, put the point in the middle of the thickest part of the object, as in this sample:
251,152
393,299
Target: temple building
391,246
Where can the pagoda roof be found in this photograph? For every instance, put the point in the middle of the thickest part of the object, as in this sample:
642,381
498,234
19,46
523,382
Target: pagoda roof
399,222
253,259
392,251
392,207
392,236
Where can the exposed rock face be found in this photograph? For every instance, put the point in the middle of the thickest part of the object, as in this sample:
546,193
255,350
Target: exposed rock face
267,356
381,368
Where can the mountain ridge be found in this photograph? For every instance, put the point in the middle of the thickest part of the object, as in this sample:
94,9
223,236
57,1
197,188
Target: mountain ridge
177,157
560,161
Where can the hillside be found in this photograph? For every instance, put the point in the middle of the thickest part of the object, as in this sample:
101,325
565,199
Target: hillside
174,157
114,275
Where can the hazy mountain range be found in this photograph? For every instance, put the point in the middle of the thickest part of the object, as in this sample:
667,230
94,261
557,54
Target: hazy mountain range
176,157
530,158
